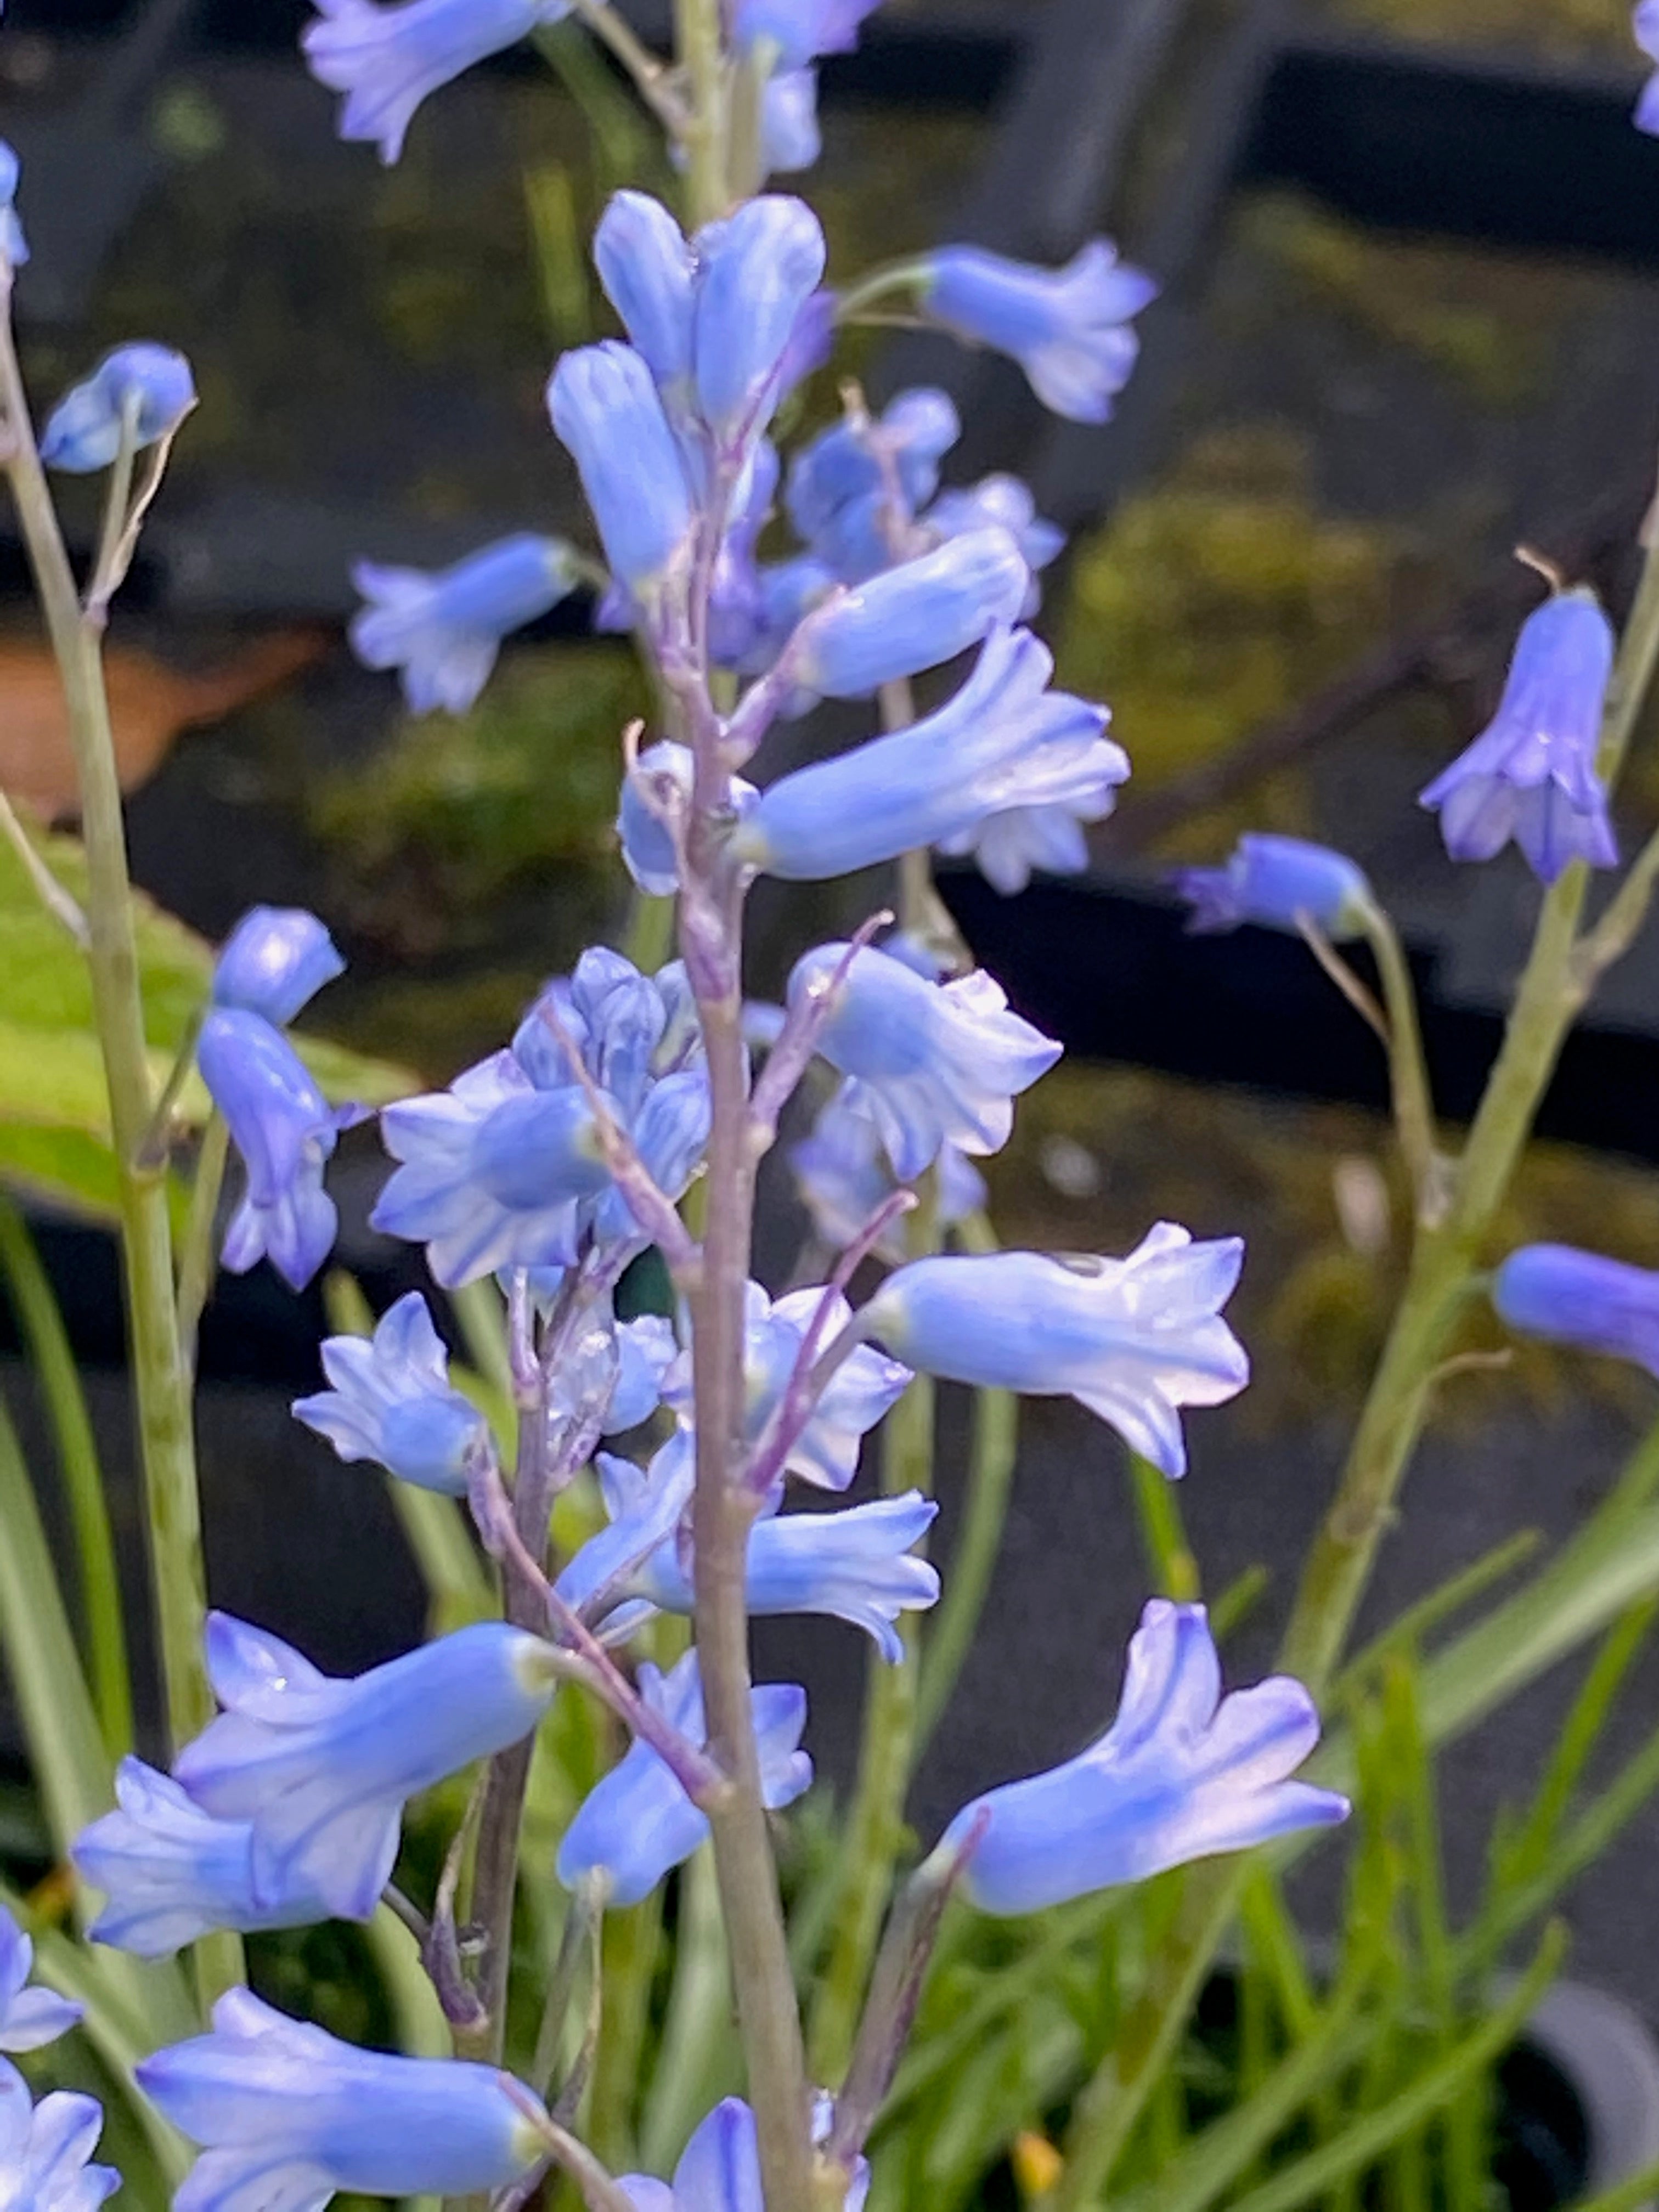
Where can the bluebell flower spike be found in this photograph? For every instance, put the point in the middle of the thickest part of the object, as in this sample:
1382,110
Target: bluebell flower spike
29,2015
391,1402
46,2149
1582,1298
1182,1773
322,1767
638,1824
386,59
288,2114
1531,775
274,962
1133,1340
443,631
930,1063
285,1131
152,384
170,1872
1004,740
1069,329
1274,882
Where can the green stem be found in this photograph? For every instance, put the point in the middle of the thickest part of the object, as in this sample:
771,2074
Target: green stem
875,1829
698,44
161,1378
197,1258
1413,1101
59,904
630,1946
890,277
109,1677
992,1455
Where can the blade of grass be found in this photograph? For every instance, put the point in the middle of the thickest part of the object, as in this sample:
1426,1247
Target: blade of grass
42,1324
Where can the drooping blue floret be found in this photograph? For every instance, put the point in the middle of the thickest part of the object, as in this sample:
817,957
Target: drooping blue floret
1133,1339
1182,1773
29,2015
442,631
1004,740
171,1873
322,1766
842,1175
638,1823
864,1386
930,1063
46,2149
1531,773
149,385
790,139
605,407
386,59
1582,1298
915,616
274,962
1069,329
1275,882
390,1401
285,1131
853,494
288,2114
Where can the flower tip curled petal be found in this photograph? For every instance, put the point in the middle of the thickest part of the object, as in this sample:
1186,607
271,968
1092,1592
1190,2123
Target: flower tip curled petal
152,382
1274,881
1067,328
290,2115
791,141
170,1872
934,1063
1181,1774
29,2017
274,962
760,267
1581,1299
1133,1340
386,59
1531,774
649,276
605,407
916,615
443,630
44,2149
392,1402
322,1767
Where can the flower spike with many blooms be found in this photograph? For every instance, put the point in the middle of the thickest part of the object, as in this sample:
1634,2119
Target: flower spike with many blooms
288,2114
1133,1339
1182,1773
323,1766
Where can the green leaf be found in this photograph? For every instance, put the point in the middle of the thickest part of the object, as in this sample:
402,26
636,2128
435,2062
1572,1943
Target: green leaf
54,1111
